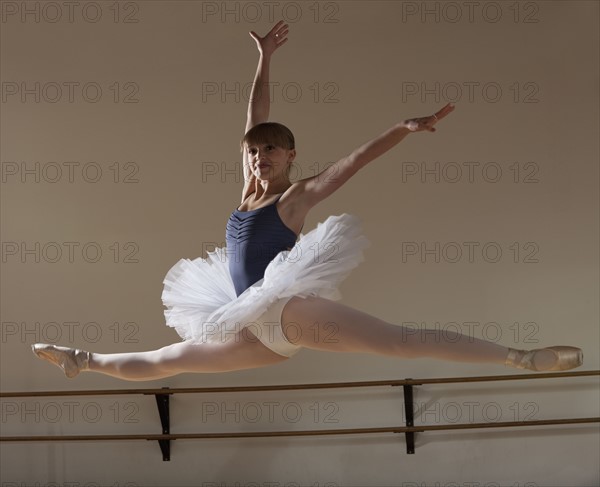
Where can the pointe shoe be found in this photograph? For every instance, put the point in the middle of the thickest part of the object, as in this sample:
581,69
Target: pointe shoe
566,358
70,360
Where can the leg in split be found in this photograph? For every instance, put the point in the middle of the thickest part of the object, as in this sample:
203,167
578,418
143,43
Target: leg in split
243,351
322,324
315,323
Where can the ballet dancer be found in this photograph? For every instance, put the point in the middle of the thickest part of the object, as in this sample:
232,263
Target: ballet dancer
272,290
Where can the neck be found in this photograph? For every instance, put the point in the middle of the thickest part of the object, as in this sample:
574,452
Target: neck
267,188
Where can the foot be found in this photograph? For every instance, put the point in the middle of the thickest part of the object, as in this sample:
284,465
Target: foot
545,359
70,360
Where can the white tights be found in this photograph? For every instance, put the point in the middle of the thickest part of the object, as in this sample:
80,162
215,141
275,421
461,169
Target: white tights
315,323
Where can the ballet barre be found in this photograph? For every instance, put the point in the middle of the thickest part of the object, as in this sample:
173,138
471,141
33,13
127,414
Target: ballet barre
409,429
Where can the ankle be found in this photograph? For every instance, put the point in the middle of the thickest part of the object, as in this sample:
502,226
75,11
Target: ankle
88,363
514,357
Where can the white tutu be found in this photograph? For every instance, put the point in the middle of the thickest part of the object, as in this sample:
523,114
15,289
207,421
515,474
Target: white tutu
200,296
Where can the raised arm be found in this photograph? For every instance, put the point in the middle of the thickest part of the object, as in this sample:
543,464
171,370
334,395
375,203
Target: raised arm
319,187
259,103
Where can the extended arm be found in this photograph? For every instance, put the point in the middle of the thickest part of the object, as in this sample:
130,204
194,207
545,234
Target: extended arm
259,103
323,184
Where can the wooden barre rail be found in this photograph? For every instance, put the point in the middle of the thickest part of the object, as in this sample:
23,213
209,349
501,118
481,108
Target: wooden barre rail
346,431
162,402
290,387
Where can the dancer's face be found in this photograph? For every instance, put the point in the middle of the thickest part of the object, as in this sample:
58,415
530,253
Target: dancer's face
270,162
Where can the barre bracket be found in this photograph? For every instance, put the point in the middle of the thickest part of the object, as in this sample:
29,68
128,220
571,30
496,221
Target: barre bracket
162,402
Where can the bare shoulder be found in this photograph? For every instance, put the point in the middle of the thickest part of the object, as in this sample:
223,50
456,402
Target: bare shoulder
248,188
293,206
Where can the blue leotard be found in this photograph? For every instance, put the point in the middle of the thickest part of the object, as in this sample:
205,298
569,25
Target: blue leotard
254,238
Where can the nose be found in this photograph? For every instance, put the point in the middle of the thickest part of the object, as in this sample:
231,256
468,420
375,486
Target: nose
261,156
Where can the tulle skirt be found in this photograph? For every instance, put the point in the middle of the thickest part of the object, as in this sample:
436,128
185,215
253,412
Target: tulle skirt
200,297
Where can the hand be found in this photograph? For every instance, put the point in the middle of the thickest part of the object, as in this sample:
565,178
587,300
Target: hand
426,123
273,40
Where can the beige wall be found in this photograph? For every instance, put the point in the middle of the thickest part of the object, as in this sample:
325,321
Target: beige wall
532,113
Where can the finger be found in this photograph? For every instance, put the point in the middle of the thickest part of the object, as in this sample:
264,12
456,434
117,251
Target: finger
277,26
281,34
444,111
280,42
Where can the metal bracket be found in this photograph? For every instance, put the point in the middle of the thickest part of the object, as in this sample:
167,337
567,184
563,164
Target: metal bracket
162,402
409,413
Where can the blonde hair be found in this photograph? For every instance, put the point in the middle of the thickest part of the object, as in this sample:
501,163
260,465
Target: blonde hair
269,133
